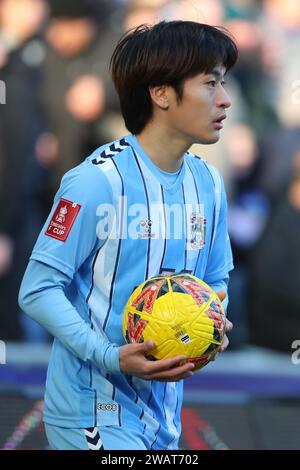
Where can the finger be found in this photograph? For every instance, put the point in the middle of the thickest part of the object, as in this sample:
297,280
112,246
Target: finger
147,346
187,375
171,373
228,326
213,358
177,378
221,294
225,343
164,364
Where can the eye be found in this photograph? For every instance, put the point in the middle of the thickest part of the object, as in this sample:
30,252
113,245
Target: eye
212,83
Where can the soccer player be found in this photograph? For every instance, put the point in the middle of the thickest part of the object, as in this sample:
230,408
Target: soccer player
136,208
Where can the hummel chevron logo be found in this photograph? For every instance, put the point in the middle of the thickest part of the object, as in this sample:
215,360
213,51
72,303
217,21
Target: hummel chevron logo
91,432
93,439
111,151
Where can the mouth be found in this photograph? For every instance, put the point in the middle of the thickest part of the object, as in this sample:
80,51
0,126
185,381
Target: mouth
218,123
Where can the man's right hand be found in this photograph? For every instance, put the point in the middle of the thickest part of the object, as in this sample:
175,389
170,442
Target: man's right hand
134,362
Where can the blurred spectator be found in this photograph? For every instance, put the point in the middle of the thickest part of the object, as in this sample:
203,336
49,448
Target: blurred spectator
274,295
203,11
78,94
247,215
276,168
142,12
281,26
243,21
21,178
250,9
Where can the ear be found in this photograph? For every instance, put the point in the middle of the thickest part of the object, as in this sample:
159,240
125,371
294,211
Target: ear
159,96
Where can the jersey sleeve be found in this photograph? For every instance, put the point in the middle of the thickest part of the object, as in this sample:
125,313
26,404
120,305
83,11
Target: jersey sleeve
220,260
42,296
58,254
70,235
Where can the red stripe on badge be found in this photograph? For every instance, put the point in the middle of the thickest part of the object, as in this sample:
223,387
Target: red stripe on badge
63,219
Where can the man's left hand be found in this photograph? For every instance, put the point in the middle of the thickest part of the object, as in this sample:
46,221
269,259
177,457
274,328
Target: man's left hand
228,325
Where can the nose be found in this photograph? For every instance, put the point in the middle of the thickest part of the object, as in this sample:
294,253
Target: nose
222,98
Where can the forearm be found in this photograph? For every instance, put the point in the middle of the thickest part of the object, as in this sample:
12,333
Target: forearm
44,300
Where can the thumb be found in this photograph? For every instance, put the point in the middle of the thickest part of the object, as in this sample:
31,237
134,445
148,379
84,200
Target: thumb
147,346
221,294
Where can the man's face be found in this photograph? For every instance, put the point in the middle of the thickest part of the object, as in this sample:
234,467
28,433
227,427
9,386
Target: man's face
198,117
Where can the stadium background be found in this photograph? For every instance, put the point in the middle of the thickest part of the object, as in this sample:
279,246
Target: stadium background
57,104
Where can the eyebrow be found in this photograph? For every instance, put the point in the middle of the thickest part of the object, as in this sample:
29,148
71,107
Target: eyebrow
217,74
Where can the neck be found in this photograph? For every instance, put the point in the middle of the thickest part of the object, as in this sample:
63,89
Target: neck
164,149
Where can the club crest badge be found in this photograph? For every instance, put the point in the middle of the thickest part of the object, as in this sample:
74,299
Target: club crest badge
198,230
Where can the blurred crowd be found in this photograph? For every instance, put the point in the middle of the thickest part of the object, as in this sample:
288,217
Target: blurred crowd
60,105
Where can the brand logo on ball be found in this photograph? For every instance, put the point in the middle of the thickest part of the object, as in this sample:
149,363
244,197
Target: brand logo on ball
185,339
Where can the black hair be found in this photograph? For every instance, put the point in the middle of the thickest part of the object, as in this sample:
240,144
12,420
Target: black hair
165,54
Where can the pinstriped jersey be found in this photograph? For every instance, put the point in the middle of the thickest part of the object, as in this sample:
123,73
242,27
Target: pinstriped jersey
130,221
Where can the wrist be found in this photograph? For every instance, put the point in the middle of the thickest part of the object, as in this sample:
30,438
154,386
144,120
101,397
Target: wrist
109,358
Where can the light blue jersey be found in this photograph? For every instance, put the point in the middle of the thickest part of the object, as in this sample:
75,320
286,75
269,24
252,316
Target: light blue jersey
126,221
